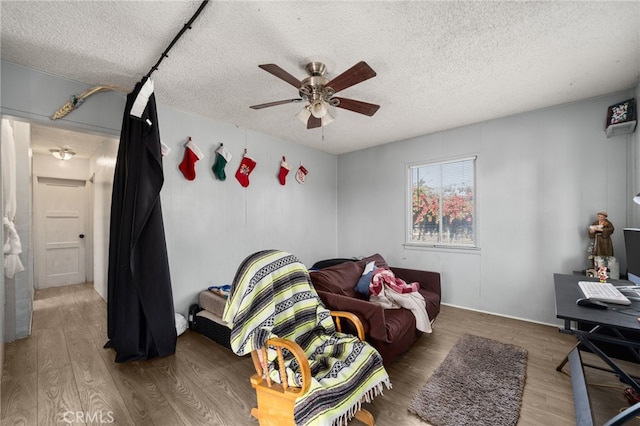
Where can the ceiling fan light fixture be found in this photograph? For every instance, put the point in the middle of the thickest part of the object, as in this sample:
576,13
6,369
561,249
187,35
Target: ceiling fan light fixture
304,114
326,119
62,153
319,109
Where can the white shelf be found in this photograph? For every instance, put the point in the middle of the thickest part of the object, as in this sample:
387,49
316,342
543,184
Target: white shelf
621,128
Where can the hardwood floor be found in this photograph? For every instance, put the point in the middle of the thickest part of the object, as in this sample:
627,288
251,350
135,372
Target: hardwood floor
62,374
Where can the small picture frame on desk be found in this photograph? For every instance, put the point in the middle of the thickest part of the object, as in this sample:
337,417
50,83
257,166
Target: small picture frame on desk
621,118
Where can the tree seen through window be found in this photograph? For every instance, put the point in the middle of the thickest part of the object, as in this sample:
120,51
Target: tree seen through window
443,197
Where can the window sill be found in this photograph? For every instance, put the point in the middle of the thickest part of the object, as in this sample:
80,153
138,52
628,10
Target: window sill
442,248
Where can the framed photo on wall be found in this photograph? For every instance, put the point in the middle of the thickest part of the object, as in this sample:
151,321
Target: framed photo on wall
621,118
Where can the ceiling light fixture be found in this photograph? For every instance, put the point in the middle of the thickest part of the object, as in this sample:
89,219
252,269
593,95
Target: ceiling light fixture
307,112
319,109
328,118
304,114
62,153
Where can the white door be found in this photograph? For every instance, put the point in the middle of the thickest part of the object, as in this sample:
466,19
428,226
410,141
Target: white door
60,232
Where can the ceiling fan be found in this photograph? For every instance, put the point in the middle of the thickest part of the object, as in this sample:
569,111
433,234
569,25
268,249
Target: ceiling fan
319,91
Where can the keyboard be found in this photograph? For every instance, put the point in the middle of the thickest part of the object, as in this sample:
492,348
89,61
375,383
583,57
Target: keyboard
603,292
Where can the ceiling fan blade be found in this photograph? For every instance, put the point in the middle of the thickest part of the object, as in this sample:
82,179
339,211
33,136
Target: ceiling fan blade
354,75
270,104
281,74
314,122
357,106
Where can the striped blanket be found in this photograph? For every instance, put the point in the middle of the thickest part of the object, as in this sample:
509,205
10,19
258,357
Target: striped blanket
272,296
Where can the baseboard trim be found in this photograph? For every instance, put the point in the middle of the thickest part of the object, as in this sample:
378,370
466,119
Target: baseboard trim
501,315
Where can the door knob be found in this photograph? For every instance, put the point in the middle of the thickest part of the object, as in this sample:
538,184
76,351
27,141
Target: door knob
81,235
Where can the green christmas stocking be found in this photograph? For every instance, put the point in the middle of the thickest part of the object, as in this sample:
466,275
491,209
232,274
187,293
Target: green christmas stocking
222,158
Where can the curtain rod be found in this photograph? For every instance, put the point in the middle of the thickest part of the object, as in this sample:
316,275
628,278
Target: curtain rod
77,100
186,27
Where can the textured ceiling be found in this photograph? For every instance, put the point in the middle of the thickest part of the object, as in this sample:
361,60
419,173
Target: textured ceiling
440,64
45,138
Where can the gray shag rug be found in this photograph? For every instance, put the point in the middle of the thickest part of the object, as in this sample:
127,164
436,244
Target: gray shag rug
480,382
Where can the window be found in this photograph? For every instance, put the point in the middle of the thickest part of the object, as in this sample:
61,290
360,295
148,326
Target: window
442,199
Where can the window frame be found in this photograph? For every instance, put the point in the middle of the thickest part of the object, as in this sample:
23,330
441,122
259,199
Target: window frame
409,205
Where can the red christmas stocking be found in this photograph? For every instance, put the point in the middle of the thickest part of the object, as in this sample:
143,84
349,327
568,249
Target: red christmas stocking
244,170
284,170
191,155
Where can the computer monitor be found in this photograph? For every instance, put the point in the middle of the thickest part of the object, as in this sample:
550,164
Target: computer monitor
632,245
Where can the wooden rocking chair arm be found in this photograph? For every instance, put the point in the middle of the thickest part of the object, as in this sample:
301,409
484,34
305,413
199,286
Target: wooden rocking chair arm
305,371
351,317
295,349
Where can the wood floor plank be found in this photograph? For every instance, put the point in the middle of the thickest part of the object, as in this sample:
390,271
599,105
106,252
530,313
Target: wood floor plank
186,397
83,293
28,419
211,362
71,318
57,396
536,416
19,397
224,400
88,366
93,312
46,319
52,349
59,297
103,404
220,369
99,335
144,400
20,358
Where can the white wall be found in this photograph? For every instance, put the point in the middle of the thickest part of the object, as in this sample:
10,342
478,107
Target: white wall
19,290
102,166
45,165
541,177
24,226
212,225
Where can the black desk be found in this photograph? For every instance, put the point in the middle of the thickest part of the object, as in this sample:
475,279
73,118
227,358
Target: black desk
603,327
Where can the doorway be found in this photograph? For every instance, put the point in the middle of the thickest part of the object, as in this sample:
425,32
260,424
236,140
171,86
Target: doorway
60,230
78,195
92,166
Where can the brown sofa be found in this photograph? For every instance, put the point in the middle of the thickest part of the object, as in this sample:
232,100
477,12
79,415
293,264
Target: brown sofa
390,331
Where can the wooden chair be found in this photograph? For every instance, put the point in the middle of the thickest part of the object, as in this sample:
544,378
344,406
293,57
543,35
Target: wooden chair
276,400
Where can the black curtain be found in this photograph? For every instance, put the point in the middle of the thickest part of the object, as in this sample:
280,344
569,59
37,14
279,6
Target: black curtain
141,321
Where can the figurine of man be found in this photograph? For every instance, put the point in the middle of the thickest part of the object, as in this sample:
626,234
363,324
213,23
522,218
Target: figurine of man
601,231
